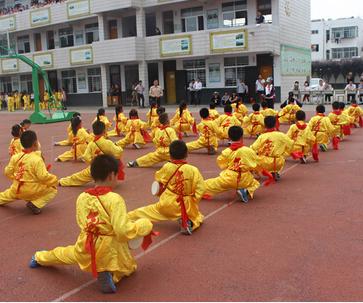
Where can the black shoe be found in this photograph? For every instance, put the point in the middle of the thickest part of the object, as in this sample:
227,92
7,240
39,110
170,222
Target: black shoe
303,160
35,210
132,164
276,176
188,230
211,150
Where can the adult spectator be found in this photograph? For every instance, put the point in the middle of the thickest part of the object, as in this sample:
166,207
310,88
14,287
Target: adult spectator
157,31
270,95
360,90
291,99
225,98
64,98
260,18
198,85
156,93
351,91
140,94
216,99
242,90
234,98
296,90
260,88
350,77
191,92
328,92
306,92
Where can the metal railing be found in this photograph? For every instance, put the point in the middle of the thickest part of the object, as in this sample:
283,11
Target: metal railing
327,97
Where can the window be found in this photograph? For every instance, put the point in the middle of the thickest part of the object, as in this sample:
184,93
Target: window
345,32
129,26
23,44
234,13
69,81
214,72
94,79
5,85
168,22
344,53
328,54
212,19
79,39
265,7
192,19
26,83
233,69
66,37
92,34
195,69
50,40
315,47
314,32
327,35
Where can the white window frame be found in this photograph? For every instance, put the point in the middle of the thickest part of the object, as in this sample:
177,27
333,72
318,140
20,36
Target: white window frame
195,70
71,78
234,11
193,14
92,78
238,69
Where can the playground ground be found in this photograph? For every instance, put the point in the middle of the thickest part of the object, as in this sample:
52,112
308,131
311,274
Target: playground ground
298,240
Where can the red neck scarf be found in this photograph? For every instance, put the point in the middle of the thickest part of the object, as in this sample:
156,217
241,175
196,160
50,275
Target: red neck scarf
228,114
236,145
337,112
301,125
179,161
320,114
134,118
256,113
162,127
97,138
99,190
270,130
27,150
354,105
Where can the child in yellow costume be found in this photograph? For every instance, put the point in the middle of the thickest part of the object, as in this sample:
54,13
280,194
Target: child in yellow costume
11,102
213,113
208,134
31,180
356,113
26,100
303,138
163,137
102,245
182,121
288,112
238,163
79,142
156,123
240,110
45,103
15,145
266,111
254,124
225,121
120,122
99,146
101,116
135,131
152,114
340,122
69,140
272,147
182,187
17,97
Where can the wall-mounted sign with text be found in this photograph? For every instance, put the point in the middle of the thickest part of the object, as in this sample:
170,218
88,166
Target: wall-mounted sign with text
295,61
78,8
44,60
226,41
83,55
9,65
39,17
7,24
175,46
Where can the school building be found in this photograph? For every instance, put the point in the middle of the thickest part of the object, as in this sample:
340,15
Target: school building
88,45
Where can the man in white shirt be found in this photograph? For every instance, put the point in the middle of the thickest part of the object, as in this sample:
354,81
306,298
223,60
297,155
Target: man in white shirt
242,90
260,88
155,93
197,86
351,90
140,94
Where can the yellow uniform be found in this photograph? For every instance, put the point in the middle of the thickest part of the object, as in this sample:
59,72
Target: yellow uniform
135,128
45,104
272,148
152,115
183,123
15,147
356,113
105,120
98,146
254,124
156,124
162,139
105,230
267,112
17,101
69,140
11,104
26,100
208,136
240,111
288,113
236,164
322,129
59,96
79,145
213,114
31,180
184,186
340,122
120,126
224,122
302,136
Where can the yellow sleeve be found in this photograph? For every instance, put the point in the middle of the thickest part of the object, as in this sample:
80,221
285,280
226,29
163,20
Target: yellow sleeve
9,169
257,144
289,145
160,174
42,175
88,153
222,160
199,185
251,159
290,131
172,134
115,150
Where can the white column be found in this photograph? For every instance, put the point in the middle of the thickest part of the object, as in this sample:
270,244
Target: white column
161,74
101,27
140,22
143,76
123,80
104,84
251,11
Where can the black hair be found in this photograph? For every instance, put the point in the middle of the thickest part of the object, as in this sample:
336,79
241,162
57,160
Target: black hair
320,109
300,115
335,105
204,113
153,105
16,131
76,114
164,118
118,110
178,150
133,113
353,102
235,133
75,123
28,138
160,110
101,112
264,104
270,122
227,108
182,107
98,128
102,166
25,121
341,105
256,107
212,106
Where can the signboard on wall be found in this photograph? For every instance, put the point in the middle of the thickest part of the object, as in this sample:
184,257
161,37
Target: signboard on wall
176,46
295,61
39,17
7,24
83,55
9,65
226,41
78,8
44,60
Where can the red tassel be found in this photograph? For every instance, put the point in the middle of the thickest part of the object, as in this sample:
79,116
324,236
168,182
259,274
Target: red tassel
146,136
346,130
121,172
148,239
336,142
180,136
297,155
195,131
360,121
49,167
277,123
207,197
270,178
184,215
315,152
